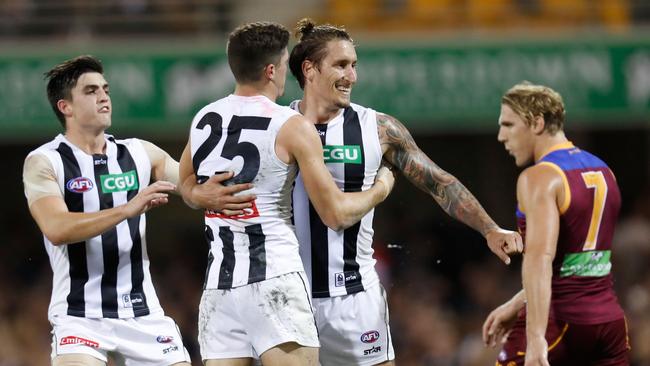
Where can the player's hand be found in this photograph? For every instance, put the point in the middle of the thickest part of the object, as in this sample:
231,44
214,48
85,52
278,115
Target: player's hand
498,324
213,195
503,243
536,351
153,196
386,175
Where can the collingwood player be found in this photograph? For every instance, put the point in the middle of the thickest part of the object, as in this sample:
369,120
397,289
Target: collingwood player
88,193
256,299
355,139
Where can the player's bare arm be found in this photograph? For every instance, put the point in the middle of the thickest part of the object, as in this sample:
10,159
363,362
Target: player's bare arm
212,195
163,166
499,322
401,151
60,226
538,193
299,142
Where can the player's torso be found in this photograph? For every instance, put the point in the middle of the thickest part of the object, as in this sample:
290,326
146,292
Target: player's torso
582,280
238,134
340,263
107,275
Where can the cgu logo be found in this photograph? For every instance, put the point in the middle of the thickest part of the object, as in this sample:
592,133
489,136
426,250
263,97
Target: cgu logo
350,154
119,182
370,336
79,185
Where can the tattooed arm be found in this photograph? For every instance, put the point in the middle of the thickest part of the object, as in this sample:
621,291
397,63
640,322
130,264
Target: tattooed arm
401,151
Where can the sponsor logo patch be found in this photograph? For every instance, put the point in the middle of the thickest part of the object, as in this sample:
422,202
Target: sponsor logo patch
119,182
79,185
370,336
349,154
341,278
169,349
164,339
593,264
69,340
132,300
375,349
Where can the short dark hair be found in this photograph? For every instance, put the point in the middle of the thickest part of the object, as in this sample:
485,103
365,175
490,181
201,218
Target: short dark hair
530,101
253,46
63,78
312,45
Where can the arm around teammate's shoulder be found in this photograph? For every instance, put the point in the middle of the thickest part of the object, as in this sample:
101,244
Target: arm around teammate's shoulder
298,142
212,194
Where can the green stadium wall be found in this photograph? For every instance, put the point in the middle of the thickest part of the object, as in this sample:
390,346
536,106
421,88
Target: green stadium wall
450,86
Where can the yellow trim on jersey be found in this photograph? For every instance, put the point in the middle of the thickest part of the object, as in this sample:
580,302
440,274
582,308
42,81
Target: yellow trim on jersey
560,146
567,190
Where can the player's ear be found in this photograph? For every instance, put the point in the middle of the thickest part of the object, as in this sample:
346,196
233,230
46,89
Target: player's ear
64,107
538,125
269,71
308,70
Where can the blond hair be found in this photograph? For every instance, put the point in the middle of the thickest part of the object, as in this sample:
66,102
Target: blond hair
530,101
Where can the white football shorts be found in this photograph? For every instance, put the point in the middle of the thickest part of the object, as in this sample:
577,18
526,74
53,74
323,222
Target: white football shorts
150,340
354,329
248,320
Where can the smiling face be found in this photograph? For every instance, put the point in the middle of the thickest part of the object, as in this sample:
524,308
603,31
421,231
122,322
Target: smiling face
90,103
516,136
334,77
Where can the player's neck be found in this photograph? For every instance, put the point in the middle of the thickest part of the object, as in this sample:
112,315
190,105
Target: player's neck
89,142
318,112
546,142
250,90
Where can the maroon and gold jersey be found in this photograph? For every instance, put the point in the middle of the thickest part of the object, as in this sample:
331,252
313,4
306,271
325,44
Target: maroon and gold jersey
582,285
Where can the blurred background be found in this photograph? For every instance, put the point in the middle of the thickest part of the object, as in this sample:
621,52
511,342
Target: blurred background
440,66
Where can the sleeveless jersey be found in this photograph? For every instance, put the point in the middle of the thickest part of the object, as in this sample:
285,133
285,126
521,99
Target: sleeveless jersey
340,262
106,276
582,283
238,134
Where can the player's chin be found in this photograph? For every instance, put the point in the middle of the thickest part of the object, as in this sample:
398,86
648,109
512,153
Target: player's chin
343,103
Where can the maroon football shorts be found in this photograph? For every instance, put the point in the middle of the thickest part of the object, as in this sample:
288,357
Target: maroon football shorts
604,344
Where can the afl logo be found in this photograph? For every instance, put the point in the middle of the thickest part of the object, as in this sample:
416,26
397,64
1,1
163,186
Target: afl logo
79,185
370,336
164,339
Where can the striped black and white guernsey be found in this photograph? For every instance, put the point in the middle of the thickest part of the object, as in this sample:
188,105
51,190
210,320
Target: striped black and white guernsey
340,262
106,276
238,134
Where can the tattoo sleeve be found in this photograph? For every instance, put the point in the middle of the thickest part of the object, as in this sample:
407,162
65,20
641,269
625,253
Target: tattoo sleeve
403,153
